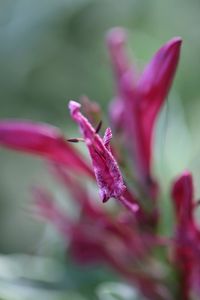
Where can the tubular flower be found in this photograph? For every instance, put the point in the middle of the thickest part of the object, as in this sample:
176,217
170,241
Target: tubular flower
139,101
108,176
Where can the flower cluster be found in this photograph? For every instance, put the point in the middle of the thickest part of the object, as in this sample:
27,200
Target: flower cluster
127,239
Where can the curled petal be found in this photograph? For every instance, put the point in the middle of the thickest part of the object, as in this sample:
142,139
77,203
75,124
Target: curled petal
43,140
108,176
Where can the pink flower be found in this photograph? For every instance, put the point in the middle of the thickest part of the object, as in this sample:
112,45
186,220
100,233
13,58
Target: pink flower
108,176
44,140
127,240
139,101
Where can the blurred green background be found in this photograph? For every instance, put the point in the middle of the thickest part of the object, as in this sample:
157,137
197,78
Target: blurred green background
52,51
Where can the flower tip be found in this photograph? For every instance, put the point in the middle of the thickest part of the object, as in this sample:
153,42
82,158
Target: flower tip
116,37
169,53
174,44
183,182
186,175
177,40
74,106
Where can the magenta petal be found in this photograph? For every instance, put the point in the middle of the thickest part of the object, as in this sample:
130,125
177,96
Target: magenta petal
186,249
182,194
43,140
142,102
108,176
133,128
155,83
116,39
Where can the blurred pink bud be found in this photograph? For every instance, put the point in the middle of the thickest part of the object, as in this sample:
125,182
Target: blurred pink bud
187,245
182,194
116,40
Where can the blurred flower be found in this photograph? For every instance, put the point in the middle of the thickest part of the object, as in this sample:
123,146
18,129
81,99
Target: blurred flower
127,239
139,100
98,237
187,237
41,139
